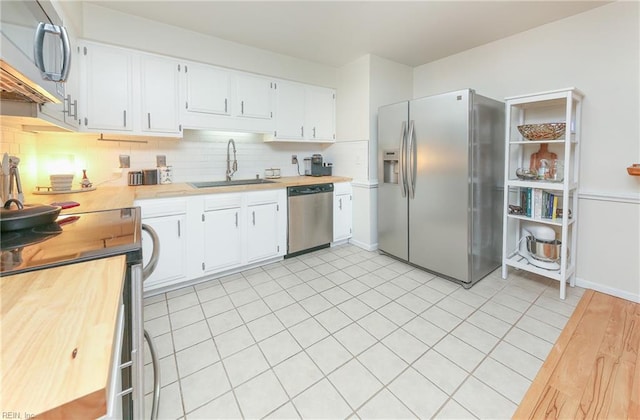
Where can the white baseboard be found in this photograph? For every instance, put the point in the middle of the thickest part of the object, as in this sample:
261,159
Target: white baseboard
608,290
365,246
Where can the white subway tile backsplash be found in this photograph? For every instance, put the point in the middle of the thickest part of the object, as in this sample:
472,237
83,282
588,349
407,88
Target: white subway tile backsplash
199,156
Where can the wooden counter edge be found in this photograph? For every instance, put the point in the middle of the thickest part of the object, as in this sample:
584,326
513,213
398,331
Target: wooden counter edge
91,406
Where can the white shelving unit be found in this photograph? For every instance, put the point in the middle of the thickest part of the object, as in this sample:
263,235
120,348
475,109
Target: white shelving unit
562,105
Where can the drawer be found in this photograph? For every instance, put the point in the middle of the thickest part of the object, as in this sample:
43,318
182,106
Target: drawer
162,207
265,197
222,201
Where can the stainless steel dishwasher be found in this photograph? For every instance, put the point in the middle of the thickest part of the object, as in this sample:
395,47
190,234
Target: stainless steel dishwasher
310,218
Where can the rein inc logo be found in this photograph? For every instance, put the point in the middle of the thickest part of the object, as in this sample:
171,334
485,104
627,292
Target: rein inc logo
16,415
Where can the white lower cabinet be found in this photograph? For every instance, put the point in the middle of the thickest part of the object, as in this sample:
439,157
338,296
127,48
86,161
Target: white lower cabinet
222,233
342,211
168,218
203,235
239,229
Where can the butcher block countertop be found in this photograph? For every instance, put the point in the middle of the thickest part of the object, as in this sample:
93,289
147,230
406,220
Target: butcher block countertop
113,197
58,329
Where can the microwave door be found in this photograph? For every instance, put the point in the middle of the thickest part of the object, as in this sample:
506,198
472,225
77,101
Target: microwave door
40,57
19,22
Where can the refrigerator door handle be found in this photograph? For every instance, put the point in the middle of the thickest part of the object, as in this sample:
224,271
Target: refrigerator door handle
402,161
412,161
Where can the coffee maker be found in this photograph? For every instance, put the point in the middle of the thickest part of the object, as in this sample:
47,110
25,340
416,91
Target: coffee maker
318,168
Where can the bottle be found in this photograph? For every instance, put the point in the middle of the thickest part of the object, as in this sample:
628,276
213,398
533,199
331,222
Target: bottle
543,170
85,183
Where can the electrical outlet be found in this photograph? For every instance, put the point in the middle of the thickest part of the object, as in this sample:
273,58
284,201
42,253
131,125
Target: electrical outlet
125,162
294,159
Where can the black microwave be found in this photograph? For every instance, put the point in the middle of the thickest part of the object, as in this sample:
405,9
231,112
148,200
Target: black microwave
35,47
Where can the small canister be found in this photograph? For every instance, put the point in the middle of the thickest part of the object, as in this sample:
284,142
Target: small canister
149,176
165,175
135,178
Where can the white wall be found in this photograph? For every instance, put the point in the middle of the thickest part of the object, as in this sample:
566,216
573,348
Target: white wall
598,53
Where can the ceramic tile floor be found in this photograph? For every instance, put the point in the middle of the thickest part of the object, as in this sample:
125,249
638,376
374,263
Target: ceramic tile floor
346,333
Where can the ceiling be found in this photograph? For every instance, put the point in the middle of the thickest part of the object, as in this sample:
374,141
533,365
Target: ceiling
335,33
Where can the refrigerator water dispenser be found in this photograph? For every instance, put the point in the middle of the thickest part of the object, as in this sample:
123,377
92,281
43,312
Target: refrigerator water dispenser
390,166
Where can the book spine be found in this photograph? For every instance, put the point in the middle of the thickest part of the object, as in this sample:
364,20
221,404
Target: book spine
555,207
537,203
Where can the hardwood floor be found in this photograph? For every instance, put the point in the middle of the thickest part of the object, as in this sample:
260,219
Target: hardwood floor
593,370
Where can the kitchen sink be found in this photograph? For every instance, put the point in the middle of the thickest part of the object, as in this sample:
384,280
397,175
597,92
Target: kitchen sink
211,184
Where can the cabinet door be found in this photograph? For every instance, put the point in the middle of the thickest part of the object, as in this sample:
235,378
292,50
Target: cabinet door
159,83
207,89
171,264
290,108
262,231
342,216
254,96
320,113
109,100
223,241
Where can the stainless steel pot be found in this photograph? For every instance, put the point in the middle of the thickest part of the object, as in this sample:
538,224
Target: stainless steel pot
26,216
544,250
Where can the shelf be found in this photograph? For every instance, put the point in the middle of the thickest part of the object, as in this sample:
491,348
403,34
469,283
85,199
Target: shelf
525,142
553,222
541,185
517,261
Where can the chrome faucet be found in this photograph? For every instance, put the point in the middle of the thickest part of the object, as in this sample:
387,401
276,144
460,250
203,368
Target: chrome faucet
231,169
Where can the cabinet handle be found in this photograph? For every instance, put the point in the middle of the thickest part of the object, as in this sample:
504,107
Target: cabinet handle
225,104
242,107
236,219
340,203
149,119
203,217
202,266
178,228
124,113
314,132
254,218
75,108
302,131
67,107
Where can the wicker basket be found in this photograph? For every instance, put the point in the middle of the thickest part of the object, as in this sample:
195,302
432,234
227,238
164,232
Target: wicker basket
546,131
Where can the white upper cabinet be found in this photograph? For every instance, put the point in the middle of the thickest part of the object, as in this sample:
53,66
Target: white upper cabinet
254,96
159,81
227,100
320,113
108,88
208,89
290,111
132,92
126,91
304,113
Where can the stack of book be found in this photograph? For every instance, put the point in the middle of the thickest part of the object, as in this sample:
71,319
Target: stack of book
538,204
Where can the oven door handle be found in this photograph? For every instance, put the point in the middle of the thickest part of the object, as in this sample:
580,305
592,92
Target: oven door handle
155,254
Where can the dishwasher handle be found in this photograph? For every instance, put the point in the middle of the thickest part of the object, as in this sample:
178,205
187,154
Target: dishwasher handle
309,189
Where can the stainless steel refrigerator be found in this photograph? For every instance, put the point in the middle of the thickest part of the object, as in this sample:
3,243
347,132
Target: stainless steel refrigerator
440,172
